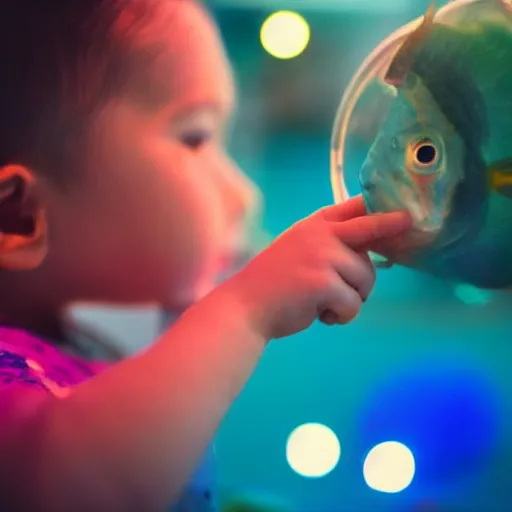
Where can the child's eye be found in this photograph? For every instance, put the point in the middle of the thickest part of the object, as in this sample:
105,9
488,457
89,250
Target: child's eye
194,140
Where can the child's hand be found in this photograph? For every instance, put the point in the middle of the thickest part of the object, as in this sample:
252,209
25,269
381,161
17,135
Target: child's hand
319,268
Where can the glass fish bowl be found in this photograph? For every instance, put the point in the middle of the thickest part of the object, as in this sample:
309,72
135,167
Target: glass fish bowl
366,107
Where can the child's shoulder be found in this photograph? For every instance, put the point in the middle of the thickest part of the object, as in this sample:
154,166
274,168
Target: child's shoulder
29,361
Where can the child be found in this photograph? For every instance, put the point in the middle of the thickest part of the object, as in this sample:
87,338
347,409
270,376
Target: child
114,187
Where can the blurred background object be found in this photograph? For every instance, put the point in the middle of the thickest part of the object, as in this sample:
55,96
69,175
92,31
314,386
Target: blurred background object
254,502
408,408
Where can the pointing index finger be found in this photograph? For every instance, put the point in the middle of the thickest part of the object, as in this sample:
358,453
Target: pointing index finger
350,209
363,231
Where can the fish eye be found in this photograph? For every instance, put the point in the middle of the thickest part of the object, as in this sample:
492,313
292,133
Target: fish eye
425,153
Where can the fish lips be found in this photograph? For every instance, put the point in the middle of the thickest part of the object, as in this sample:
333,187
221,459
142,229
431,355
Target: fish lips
379,199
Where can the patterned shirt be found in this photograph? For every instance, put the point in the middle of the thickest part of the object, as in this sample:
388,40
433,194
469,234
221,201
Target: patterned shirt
26,361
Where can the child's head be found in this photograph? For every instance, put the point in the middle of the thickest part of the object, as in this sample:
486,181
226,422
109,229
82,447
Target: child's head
111,122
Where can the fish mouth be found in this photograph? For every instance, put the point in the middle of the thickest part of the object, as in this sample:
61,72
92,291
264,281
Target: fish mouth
425,227
401,198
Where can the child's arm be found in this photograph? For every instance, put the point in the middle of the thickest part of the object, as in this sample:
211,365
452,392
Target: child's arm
130,438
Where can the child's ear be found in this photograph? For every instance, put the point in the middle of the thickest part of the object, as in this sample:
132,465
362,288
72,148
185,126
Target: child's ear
23,230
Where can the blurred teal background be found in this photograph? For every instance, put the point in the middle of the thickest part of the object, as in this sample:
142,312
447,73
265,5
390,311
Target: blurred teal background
425,364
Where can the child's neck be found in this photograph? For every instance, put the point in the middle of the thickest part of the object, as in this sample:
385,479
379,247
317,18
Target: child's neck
26,304
68,337
46,326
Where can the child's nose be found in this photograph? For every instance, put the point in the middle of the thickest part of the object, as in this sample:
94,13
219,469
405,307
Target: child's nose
241,196
246,197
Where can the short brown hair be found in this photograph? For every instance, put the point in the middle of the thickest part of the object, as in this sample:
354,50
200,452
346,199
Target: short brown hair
60,61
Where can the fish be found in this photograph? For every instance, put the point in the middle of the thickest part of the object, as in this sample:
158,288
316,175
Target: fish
444,149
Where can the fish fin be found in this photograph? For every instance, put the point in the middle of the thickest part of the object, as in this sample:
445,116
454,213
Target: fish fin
402,62
501,177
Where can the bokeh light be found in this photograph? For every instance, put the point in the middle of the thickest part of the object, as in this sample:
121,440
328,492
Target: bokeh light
313,450
389,467
285,34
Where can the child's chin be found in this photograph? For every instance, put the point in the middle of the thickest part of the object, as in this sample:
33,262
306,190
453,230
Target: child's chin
182,300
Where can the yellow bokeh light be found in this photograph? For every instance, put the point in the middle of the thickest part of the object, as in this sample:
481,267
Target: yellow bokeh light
285,34
389,467
313,450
